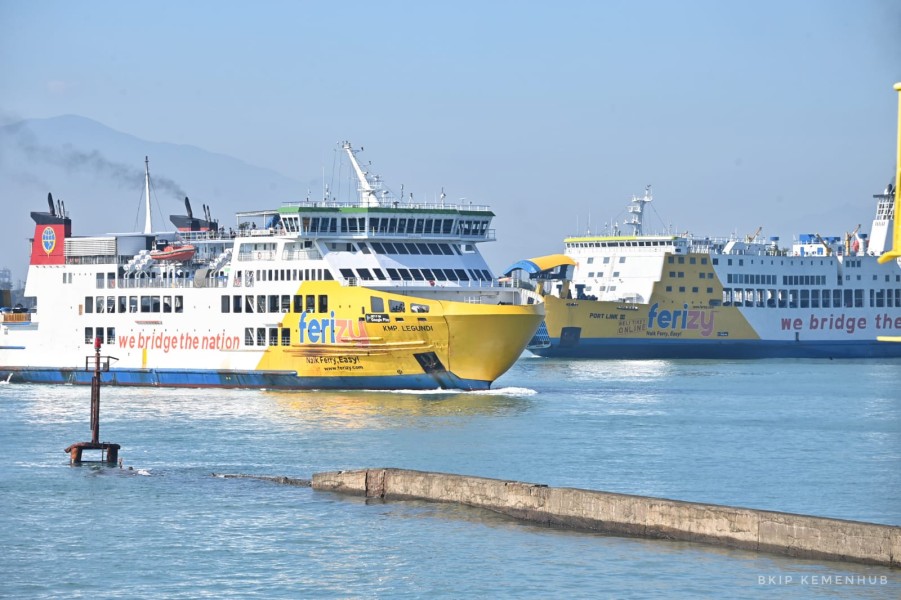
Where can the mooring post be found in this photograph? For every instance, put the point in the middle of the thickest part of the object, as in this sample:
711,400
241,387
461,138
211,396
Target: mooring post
95,394
110,451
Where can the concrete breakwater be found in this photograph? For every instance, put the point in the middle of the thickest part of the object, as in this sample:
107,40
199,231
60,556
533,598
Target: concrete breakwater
641,516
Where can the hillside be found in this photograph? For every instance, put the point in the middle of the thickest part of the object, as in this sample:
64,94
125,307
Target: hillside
98,173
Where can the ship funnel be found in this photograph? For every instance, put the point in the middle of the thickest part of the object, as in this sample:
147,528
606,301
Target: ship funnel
188,208
50,202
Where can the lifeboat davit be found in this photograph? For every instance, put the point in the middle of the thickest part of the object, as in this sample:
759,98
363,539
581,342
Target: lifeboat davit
181,253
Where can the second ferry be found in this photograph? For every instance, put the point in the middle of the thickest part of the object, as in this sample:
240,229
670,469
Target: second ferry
634,295
376,293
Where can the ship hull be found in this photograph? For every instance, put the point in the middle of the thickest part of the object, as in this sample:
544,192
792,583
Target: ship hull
620,330
192,378
324,336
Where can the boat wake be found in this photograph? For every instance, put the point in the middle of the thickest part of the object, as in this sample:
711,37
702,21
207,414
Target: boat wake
505,391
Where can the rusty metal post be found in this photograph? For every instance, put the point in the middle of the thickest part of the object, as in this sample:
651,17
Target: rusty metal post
95,395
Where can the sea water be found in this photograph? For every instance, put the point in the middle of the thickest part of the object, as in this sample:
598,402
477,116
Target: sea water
803,436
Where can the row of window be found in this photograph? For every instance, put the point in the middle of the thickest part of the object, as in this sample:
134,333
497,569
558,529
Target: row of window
274,303
417,274
267,336
827,298
106,335
133,304
413,248
619,244
283,303
247,278
384,225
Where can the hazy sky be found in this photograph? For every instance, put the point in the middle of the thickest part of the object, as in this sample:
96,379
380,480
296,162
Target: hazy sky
765,113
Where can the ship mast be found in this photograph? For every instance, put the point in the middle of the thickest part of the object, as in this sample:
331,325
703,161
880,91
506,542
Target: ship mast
367,191
895,251
147,225
637,208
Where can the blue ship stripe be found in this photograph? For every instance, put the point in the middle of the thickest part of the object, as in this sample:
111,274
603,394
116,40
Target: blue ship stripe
619,348
287,380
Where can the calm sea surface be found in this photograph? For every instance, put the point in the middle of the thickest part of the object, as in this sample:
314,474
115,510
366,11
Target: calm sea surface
816,437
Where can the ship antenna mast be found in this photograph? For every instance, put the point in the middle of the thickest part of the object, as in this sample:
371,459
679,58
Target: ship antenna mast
148,228
367,191
637,208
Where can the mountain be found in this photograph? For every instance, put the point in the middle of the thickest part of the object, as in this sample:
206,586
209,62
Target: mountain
98,173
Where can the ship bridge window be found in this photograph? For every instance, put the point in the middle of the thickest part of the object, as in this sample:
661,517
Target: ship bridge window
461,274
487,274
145,304
434,249
347,273
111,304
249,304
261,336
451,276
236,304
123,306
379,274
378,248
413,248
310,303
417,274
364,274
439,274
396,306
273,303
445,249
427,273
405,274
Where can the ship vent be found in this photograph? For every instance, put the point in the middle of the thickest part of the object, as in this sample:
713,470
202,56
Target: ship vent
99,246
430,362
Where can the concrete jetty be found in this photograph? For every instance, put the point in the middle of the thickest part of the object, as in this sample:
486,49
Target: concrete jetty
640,516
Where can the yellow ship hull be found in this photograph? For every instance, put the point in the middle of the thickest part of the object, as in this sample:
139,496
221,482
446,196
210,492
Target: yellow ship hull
411,343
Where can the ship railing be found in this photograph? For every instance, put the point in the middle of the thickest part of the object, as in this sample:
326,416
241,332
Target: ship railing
301,255
400,206
219,281
257,255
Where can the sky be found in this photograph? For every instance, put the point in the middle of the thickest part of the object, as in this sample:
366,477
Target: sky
778,114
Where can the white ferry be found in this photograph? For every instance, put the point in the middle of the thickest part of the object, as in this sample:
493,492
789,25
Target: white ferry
681,296
373,294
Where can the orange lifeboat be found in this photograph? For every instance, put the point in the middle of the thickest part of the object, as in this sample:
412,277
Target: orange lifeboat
182,253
